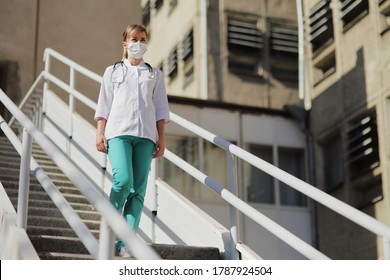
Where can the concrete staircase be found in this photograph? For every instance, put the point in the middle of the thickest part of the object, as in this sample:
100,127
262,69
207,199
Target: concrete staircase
48,231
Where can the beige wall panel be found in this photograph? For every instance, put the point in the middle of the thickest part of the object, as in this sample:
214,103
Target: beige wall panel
18,21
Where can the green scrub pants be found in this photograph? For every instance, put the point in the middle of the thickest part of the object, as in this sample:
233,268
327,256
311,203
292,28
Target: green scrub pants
130,159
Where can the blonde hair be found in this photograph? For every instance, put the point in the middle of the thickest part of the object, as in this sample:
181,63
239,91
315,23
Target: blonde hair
128,31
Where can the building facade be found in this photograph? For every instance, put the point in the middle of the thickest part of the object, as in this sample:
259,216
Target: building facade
249,47
234,78
347,52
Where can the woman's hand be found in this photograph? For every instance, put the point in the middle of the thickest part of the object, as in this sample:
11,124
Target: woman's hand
160,144
159,149
101,143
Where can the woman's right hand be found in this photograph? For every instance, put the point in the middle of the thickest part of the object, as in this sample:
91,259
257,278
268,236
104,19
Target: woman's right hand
101,143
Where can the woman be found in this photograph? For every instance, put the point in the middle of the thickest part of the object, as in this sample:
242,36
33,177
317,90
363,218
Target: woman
131,114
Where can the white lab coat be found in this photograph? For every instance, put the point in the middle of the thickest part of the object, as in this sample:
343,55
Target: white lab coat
131,101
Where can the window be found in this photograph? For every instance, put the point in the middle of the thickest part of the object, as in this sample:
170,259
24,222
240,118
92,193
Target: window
188,47
352,11
362,146
332,155
261,185
186,148
161,67
188,55
172,64
158,4
3,86
321,25
245,42
324,67
4,65
215,166
291,161
146,14
9,70
284,52
172,5
385,19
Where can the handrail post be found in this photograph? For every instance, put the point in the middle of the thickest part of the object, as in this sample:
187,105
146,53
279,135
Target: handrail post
232,210
153,191
24,181
47,60
72,85
106,241
386,248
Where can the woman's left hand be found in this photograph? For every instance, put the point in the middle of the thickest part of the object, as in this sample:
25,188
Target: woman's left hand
159,149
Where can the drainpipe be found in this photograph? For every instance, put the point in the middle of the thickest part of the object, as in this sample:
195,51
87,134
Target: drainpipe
305,122
203,49
301,60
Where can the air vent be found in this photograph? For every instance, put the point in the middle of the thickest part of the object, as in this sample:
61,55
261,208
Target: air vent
188,46
244,34
172,64
321,24
146,14
284,40
352,11
363,145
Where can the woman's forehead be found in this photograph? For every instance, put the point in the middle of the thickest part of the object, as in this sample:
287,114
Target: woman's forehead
138,34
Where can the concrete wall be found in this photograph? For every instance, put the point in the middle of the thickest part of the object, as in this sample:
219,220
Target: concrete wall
88,31
358,84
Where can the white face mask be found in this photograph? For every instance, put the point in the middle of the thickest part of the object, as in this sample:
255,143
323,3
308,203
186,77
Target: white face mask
137,50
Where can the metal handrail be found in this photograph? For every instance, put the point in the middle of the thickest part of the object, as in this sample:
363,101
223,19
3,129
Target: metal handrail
234,202
325,199
295,242
58,199
340,207
110,216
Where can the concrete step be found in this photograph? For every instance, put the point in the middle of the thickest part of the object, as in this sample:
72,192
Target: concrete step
54,212
71,248
58,244
12,154
63,256
37,187
13,181
7,155
184,252
14,177
50,204
15,164
43,196
55,231
42,221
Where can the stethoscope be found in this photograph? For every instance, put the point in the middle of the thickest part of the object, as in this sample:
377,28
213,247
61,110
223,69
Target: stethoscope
124,72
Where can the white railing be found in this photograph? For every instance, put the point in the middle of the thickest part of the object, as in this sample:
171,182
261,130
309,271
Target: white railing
325,199
233,153
111,220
